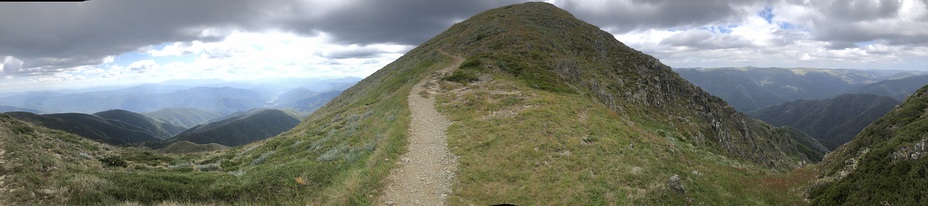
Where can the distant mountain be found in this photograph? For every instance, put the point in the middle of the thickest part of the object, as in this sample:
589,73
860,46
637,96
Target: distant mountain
885,164
833,121
94,127
751,88
17,109
898,89
305,100
218,99
158,128
185,117
241,129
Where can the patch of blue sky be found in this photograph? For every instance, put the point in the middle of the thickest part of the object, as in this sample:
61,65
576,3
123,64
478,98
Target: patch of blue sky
864,43
767,14
719,29
125,59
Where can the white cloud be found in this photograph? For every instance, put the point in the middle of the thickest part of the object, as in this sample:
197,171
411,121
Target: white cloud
243,55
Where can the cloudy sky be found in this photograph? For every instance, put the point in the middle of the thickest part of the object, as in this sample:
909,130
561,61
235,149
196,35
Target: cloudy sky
117,41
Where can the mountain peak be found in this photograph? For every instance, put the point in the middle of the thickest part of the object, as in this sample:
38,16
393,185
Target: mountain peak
548,49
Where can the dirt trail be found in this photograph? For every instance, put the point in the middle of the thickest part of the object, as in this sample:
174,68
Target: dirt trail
427,169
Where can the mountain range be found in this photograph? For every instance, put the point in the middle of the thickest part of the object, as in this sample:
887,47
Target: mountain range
751,88
240,128
833,121
112,131
214,96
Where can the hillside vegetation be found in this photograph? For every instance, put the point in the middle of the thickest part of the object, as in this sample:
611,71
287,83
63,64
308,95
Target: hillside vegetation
185,117
158,128
548,109
240,129
833,121
883,165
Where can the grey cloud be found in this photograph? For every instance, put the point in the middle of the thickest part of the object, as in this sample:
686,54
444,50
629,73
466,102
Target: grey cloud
11,65
49,37
408,22
362,52
354,53
63,35
60,35
859,10
628,15
844,22
702,39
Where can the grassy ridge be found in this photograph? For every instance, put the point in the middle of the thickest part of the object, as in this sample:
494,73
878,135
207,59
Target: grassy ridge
526,146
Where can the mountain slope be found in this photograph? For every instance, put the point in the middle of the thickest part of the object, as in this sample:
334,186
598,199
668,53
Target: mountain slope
546,109
307,101
898,89
4,108
751,88
41,166
90,126
33,156
833,121
537,68
159,129
190,147
185,117
240,129
883,165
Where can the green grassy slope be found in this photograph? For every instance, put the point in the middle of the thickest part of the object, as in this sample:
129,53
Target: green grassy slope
555,111
240,130
190,147
158,128
884,164
186,117
548,49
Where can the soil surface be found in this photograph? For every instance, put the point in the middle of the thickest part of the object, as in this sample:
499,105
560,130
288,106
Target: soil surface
426,171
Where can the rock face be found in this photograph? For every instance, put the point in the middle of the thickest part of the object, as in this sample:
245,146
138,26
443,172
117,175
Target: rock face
884,164
551,50
676,184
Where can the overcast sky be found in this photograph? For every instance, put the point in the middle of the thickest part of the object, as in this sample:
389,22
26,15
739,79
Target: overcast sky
101,41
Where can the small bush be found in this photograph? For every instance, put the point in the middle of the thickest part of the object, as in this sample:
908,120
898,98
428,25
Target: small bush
22,129
114,161
462,76
261,158
470,63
